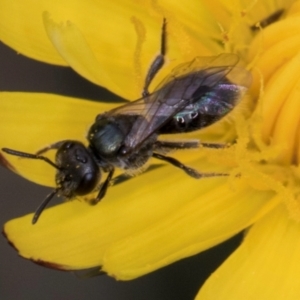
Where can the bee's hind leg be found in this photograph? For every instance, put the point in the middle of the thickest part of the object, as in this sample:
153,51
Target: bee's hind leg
158,61
190,171
215,145
167,146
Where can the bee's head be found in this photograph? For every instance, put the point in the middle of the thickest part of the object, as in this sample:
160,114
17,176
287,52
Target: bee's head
77,171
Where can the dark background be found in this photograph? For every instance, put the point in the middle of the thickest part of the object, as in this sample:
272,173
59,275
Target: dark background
22,279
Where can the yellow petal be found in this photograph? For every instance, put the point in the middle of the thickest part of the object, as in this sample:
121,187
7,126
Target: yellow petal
267,65
284,29
66,235
277,92
286,129
267,47
276,70
206,220
73,48
265,266
255,11
31,121
109,43
236,18
76,235
21,27
203,32
105,24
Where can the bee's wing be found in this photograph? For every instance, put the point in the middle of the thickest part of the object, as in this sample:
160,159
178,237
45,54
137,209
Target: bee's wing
174,94
201,63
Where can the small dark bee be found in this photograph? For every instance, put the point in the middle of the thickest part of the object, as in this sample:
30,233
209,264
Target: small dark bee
196,94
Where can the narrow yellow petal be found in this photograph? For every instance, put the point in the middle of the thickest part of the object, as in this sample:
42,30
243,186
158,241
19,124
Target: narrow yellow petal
297,150
287,125
206,220
73,48
21,27
277,92
275,70
266,65
269,37
294,9
31,121
265,266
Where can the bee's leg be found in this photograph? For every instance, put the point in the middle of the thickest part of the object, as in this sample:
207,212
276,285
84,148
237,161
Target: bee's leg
104,187
166,146
214,145
190,171
120,179
51,147
158,61
176,145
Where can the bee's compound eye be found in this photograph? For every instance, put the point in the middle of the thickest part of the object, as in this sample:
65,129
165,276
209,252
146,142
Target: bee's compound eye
87,184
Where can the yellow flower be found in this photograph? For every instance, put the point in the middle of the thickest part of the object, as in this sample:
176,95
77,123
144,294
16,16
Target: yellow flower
163,215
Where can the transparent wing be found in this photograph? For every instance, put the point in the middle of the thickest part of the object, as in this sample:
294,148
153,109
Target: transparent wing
182,88
223,97
201,63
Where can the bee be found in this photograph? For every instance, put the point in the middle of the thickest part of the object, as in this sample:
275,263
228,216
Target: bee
195,95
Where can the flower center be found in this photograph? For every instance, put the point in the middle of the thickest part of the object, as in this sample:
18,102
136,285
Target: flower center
275,125
276,50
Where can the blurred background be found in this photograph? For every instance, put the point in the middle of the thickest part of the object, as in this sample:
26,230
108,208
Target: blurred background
22,279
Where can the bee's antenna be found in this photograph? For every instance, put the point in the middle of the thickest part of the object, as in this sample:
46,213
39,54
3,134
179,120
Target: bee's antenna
29,155
42,206
47,160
